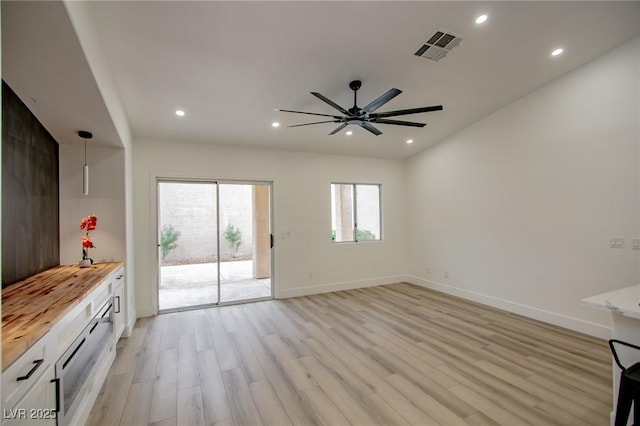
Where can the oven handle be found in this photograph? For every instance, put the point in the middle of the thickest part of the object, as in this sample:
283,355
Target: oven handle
37,363
75,351
106,317
57,382
106,311
94,325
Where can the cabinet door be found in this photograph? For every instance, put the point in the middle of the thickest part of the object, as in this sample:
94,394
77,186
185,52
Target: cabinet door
118,302
38,405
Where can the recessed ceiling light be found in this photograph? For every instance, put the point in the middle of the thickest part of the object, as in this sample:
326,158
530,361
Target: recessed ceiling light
180,113
349,132
275,124
557,51
480,19
409,141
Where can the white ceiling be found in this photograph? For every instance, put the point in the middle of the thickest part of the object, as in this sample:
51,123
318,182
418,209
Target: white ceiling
230,64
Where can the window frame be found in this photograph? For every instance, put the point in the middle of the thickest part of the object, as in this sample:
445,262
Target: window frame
355,211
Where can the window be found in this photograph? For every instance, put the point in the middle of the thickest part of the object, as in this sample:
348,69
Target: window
355,212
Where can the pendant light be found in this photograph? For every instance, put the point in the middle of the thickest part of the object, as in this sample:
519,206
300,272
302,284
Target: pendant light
85,170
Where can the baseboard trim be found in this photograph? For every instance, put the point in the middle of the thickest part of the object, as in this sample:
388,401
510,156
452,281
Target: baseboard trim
576,324
340,286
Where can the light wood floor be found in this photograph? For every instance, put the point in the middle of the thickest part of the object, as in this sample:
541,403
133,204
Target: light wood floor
390,355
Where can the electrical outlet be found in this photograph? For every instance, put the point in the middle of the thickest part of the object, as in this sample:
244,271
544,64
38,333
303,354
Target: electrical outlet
446,273
285,235
635,243
429,270
310,276
616,242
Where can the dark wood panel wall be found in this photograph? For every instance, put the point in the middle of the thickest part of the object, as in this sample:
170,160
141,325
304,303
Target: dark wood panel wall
30,193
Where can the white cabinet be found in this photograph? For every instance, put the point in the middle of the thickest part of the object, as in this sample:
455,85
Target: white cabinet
20,377
38,406
623,305
29,387
119,304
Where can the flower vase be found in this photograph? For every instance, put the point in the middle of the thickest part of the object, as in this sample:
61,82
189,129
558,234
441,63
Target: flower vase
85,263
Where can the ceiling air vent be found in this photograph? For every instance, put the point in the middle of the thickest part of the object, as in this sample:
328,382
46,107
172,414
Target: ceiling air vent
437,47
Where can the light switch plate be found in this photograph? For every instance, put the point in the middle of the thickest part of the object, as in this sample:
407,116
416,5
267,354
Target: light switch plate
616,242
635,243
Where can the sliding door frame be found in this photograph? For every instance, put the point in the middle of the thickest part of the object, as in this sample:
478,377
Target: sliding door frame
217,182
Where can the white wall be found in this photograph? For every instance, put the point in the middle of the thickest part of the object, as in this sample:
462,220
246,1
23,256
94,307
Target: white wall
80,16
519,206
307,262
106,200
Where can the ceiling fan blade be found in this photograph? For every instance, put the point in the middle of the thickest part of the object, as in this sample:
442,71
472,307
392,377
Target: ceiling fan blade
340,127
398,122
381,100
309,113
330,102
370,128
406,111
315,122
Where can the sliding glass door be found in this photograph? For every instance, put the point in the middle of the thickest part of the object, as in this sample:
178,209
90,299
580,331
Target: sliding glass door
245,241
214,243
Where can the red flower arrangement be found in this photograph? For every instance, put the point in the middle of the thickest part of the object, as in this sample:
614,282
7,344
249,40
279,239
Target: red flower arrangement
88,224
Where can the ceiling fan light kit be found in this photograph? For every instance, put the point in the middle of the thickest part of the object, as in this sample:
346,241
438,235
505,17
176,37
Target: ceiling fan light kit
364,117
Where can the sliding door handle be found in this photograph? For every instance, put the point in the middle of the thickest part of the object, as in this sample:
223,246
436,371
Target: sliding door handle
271,240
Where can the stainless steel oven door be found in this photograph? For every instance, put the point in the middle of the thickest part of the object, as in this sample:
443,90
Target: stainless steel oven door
77,363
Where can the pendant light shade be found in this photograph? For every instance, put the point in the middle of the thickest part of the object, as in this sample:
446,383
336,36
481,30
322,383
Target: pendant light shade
85,180
85,170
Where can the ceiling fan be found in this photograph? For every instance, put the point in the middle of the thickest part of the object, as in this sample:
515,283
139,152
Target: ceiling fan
364,117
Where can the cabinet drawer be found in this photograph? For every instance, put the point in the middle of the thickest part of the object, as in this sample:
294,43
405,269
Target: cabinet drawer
118,277
22,374
38,407
119,301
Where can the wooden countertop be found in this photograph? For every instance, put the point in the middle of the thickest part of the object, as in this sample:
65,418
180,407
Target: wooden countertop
31,307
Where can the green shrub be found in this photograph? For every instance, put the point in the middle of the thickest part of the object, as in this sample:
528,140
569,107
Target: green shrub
361,235
364,235
168,239
234,236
